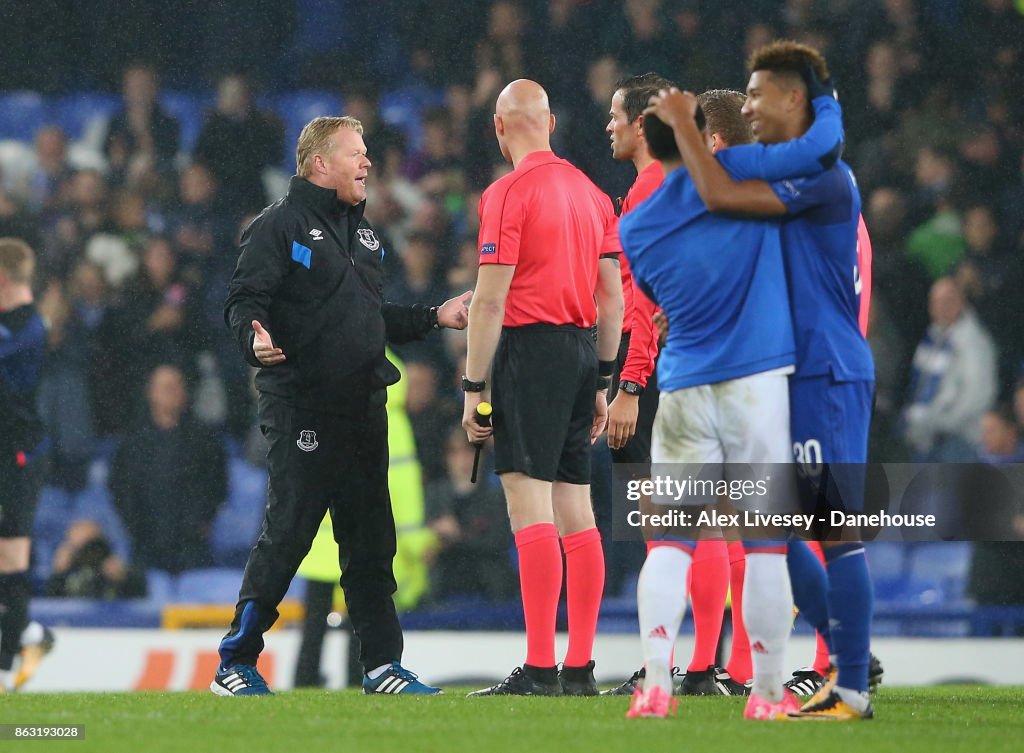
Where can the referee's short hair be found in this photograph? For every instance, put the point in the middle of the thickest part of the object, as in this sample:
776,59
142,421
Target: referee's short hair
316,139
637,91
17,261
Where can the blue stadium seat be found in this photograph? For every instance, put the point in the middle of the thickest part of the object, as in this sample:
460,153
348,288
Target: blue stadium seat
159,586
298,108
239,520
939,570
189,110
94,502
77,613
233,535
22,113
403,113
79,114
888,563
403,108
53,513
214,585
247,485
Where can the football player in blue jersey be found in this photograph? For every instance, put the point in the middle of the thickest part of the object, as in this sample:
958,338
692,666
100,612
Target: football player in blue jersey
831,390
721,283
22,443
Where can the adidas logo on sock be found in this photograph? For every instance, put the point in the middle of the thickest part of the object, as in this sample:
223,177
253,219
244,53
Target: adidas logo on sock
659,632
758,648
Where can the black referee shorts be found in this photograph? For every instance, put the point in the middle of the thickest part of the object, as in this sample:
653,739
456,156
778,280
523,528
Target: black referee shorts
19,494
544,381
637,451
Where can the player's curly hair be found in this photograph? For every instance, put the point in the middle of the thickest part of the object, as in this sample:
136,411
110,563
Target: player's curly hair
789,58
637,91
723,115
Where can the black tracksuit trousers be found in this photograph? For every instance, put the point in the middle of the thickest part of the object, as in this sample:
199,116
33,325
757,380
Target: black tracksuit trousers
319,462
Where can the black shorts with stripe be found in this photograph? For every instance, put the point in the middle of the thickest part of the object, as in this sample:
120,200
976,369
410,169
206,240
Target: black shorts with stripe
543,388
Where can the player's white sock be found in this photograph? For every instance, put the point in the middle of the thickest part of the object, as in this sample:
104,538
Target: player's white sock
768,615
854,698
32,634
7,679
376,672
661,602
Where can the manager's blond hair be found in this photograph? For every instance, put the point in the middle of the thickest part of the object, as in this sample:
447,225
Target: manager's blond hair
316,139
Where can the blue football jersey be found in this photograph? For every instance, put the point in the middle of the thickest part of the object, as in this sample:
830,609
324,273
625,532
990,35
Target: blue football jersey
819,242
719,280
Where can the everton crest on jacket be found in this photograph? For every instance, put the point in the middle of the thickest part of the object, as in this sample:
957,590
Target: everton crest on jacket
310,273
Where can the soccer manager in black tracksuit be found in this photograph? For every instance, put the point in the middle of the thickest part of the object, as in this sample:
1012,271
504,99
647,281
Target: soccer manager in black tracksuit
306,305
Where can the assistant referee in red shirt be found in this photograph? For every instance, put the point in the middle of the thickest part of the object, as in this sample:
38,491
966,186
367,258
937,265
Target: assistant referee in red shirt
548,271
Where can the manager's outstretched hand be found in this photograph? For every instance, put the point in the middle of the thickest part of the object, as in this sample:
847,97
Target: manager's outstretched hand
263,347
454,313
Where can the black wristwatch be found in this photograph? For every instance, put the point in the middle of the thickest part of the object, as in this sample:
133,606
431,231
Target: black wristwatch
432,317
468,385
631,388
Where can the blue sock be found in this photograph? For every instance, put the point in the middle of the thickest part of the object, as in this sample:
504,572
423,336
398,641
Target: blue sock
810,587
850,602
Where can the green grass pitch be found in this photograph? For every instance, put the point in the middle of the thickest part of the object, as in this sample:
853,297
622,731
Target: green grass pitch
922,720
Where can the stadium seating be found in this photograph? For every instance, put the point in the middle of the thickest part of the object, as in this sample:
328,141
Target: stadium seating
189,109
84,115
159,586
79,613
937,572
402,109
298,108
887,561
215,585
238,521
22,113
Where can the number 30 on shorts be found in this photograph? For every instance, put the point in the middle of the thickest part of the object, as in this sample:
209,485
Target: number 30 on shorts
807,456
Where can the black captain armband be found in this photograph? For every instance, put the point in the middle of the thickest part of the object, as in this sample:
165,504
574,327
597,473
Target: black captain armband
605,368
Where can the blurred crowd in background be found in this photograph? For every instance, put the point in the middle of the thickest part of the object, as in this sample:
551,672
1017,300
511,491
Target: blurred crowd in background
144,162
